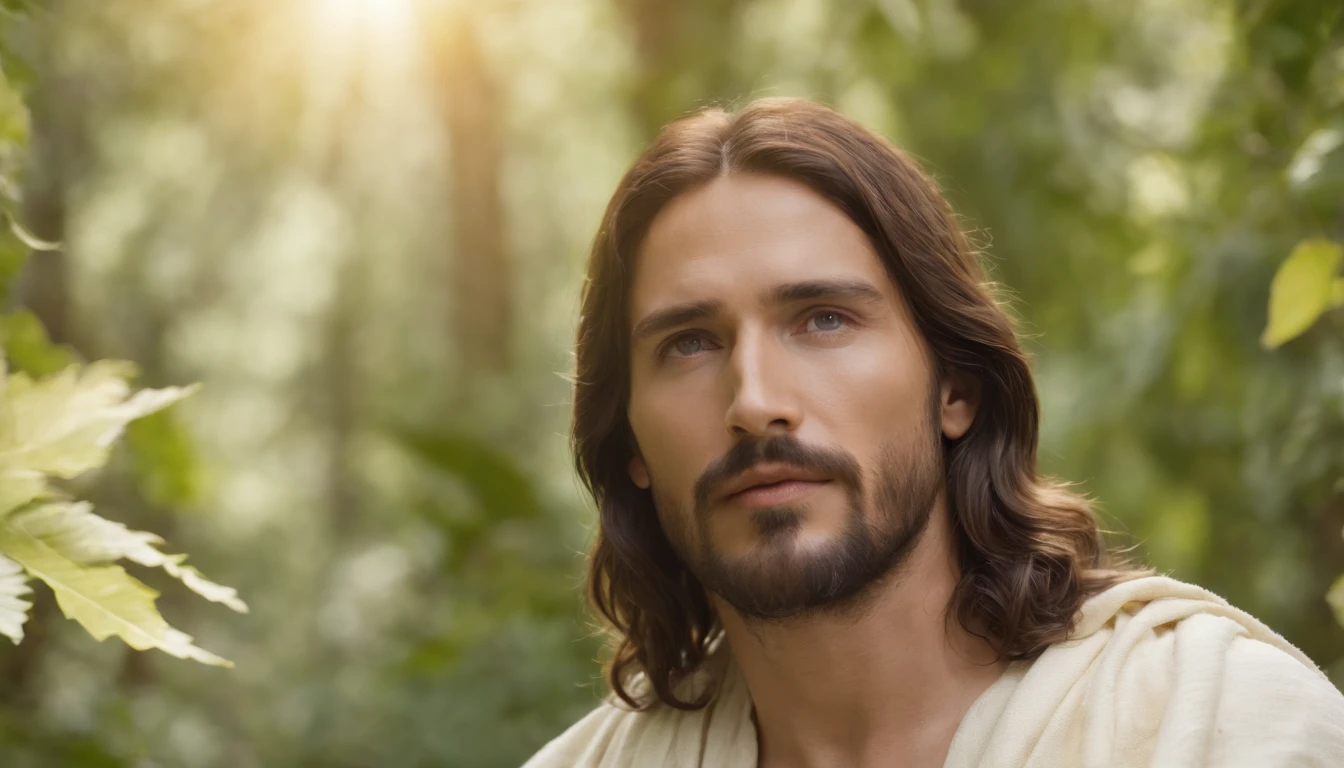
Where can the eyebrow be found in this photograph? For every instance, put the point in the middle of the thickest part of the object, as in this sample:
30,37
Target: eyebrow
853,290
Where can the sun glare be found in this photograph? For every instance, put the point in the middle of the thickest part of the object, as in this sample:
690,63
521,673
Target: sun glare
362,24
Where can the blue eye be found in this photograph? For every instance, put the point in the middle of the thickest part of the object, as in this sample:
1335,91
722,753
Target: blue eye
686,345
680,345
825,320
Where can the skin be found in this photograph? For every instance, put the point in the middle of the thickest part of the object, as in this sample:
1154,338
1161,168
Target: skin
851,664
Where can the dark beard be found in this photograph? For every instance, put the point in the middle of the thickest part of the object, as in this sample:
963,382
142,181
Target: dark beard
777,581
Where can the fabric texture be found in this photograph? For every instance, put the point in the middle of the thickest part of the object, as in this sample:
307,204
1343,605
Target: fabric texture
1156,673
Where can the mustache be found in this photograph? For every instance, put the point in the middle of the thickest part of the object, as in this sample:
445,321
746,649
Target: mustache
783,449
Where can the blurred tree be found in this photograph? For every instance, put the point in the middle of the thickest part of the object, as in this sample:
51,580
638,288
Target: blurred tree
253,194
685,54
483,318
58,420
1140,176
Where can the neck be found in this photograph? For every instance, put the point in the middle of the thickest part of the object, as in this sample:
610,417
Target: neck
891,683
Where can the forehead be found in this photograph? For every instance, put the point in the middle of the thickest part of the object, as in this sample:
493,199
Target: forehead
742,233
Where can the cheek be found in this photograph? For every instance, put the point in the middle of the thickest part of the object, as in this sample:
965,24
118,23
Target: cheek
874,392
672,438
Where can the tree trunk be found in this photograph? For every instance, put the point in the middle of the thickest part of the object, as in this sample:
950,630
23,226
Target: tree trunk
482,313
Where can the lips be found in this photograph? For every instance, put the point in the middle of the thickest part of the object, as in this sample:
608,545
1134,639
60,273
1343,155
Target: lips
763,496
771,477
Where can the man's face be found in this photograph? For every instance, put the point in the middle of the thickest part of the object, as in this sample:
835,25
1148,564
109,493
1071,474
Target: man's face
769,342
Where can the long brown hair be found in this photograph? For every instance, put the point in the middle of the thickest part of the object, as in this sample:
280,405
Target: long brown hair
1029,550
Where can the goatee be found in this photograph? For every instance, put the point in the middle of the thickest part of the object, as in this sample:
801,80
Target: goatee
779,580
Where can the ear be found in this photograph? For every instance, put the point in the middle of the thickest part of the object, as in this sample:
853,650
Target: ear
639,472
959,400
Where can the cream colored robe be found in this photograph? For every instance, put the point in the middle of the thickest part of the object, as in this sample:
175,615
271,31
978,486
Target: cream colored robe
1157,673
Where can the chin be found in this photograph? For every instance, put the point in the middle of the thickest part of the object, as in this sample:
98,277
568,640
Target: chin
772,524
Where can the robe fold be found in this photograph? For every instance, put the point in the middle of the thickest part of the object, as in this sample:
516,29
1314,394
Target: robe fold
1157,672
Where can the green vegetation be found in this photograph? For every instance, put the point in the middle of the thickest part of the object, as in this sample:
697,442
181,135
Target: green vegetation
361,225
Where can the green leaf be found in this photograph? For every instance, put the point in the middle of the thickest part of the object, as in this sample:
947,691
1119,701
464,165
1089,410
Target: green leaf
105,600
1335,597
18,487
14,119
1301,290
12,258
64,424
73,530
28,348
499,486
1337,292
13,609
164,459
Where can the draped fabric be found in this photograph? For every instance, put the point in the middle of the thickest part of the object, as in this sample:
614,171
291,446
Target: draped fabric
1157,672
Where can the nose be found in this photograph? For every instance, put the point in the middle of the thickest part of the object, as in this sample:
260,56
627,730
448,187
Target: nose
764,396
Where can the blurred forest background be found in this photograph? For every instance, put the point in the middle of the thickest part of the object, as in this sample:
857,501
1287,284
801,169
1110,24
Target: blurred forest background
362,225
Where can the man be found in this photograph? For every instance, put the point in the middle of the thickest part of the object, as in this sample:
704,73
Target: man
811,435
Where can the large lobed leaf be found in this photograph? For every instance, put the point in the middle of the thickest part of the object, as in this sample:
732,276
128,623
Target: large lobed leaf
13,608
72,529
18,487
63,425
104,599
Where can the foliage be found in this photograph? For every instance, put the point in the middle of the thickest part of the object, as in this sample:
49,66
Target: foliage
1136,181
59,427
266,197
27,348
14,128
1303,288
